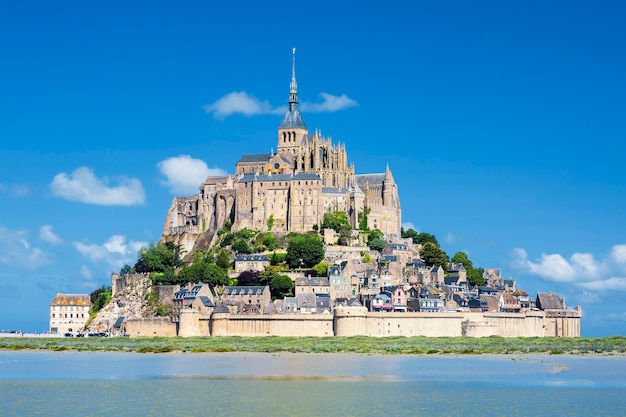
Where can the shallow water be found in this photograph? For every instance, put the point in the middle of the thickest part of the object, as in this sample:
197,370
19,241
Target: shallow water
77,383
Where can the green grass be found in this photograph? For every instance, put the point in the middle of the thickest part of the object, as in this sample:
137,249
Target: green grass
359,345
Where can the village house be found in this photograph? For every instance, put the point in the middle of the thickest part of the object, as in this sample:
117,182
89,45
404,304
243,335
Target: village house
251,263
236,297
69,313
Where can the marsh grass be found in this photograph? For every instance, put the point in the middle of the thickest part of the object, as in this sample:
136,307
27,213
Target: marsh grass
358,345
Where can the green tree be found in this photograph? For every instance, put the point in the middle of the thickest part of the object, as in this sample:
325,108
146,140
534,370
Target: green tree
418,238
280,286
304,250
367,259
321,269
362,218
345,235
277,258
377,244
223,259
270,222
433,255
158,258
335,220
241,246
476,277
100,297
127,269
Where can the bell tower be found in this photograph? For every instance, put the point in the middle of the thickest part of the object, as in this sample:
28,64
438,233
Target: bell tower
292,129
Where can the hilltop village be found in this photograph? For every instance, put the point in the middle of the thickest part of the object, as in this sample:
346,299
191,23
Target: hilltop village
296,243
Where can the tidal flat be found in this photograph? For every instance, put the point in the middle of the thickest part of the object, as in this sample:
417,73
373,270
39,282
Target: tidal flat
614,345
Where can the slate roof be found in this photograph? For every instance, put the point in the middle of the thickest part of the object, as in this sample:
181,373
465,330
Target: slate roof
369,179
255,157
262,258
118,322
292,118
249,177
221,308
333,190
312,281
549,301
244,290
206,301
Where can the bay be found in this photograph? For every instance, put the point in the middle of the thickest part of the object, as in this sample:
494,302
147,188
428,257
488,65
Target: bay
258,384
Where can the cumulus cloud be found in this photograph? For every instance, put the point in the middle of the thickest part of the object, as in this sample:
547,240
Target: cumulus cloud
329,103
84,187
183,174
240,102
581,269
15,250
115,252
47,235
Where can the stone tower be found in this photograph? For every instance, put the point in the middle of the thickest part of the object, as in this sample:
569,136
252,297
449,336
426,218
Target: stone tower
292,129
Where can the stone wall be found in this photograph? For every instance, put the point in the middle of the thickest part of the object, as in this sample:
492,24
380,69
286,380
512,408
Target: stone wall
157,326
357,321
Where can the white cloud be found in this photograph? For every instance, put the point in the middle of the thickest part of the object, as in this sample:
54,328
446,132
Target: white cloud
248,105
243,103
581,269
15,250
47,235
329,103
84,187
116,251
183,174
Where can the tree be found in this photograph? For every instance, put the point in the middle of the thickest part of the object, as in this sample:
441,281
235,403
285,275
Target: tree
362,218
305,250
100,297
418,238
375,234
248,278
474,275
377,244
321,269
223,259
270,222
158,258
335,220
367,259
241,246
345,235
433,255
127,269
280,286
206,272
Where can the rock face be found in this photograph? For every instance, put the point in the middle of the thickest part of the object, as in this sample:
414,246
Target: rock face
130,302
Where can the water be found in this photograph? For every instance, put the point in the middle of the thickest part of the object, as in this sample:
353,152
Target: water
254,384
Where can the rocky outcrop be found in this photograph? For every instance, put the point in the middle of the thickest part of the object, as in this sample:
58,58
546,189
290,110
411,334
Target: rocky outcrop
132,302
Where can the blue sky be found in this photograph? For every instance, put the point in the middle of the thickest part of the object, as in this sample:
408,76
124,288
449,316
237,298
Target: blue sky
503,125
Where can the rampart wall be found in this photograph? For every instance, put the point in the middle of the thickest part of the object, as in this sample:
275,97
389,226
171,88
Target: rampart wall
357,321
157,326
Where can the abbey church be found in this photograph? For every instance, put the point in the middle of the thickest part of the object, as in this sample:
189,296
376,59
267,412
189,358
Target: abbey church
288,190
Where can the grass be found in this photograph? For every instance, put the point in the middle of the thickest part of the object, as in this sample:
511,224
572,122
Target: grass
358,344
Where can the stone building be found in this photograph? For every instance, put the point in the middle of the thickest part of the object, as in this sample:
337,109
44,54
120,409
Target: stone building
69,313
286,191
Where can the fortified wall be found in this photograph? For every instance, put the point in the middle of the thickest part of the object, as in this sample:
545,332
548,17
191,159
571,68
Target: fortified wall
357,321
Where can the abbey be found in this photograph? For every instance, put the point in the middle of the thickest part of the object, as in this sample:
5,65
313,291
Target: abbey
288,190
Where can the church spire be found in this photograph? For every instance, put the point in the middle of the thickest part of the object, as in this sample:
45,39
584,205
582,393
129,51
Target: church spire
292,117
293,87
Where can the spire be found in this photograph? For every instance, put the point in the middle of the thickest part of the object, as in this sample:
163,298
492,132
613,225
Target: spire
292,117
293,87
